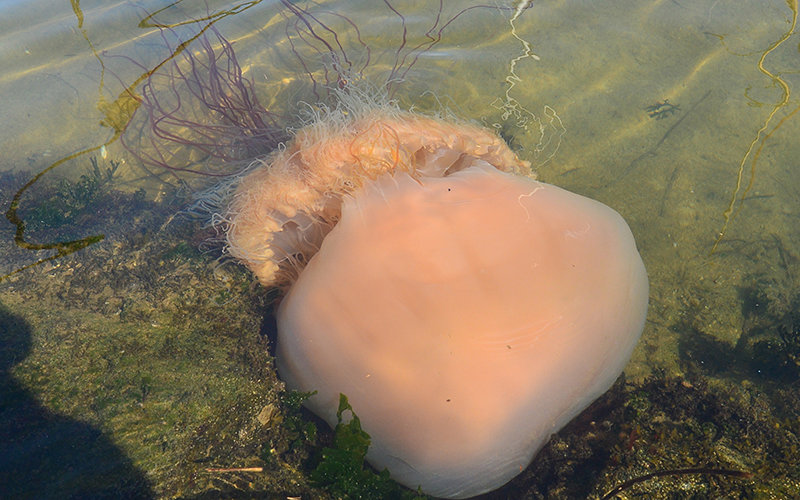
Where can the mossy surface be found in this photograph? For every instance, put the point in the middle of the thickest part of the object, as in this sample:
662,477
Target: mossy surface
144,341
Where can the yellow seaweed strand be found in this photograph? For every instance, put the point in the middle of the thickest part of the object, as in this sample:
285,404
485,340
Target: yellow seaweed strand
783,102
758,153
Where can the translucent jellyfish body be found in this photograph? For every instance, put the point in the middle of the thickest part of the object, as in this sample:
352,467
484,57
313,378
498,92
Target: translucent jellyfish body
466,310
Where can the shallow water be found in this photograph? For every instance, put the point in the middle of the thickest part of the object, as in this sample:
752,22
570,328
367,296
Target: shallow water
680,115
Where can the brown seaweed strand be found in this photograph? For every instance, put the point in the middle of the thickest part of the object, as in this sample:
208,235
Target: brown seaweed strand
676,472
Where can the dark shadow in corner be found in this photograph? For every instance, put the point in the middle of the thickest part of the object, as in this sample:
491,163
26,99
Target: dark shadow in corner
45,455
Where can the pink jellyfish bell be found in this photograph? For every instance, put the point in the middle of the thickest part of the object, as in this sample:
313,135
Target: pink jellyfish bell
466,310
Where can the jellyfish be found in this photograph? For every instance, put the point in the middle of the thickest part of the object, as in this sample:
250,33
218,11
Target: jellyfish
467,310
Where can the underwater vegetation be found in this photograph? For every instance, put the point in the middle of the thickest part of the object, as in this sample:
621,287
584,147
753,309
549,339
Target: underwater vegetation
66,201
342,470
70,213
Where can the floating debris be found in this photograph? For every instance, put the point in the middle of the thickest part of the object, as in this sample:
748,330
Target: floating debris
662,109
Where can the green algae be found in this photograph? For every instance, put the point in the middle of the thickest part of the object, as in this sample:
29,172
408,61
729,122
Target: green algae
67,200
342,470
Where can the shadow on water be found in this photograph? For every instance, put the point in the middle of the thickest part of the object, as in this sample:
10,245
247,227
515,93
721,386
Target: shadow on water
46,455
